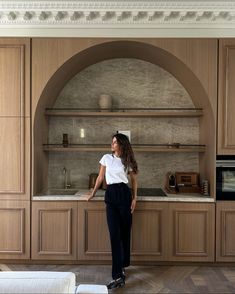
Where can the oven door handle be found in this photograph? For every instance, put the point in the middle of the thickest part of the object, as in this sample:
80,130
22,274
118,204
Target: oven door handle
233,166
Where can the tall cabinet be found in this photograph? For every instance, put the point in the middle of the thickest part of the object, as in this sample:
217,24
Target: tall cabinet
14,148
226,98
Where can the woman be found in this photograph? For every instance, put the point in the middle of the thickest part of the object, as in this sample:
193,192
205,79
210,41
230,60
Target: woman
120,202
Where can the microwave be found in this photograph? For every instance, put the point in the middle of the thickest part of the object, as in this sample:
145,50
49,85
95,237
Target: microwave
225,177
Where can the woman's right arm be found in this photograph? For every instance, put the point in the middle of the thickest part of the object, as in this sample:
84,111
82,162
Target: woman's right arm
98,182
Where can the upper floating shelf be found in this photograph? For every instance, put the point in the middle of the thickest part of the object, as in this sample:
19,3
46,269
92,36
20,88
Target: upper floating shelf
125,112
137,148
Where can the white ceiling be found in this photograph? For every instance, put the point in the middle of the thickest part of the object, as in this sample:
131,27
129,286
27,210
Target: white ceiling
140,18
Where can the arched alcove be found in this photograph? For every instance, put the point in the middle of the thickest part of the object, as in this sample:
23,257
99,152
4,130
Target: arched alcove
122,49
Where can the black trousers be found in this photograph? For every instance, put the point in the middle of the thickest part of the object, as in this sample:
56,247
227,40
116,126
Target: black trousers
119,218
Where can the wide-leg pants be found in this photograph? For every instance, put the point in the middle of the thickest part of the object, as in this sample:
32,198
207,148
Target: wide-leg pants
119,218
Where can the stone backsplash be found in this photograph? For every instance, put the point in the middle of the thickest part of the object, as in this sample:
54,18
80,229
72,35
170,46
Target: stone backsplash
131,83
152,167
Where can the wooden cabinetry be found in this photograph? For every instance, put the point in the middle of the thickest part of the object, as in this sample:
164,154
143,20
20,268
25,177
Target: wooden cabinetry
14,158
15,119
14,148
14,82
191,232
93,234
225,228
14,229
161,231
226,101
149,231
54,229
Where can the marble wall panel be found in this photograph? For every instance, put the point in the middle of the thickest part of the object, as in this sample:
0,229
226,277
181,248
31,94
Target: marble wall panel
143,131
152,167
130,82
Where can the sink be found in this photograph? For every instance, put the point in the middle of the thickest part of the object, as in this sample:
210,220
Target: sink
82,192
55,192
68,192
156,192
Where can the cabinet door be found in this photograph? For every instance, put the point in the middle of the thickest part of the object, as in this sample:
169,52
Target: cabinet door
14,229
14,158
15,77
14,119
225,228
93,234
226,97
149,231
192,235
54,230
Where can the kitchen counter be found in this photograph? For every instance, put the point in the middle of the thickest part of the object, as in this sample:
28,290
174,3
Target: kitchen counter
79,195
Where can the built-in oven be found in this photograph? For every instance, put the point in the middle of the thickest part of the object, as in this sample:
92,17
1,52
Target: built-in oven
225,177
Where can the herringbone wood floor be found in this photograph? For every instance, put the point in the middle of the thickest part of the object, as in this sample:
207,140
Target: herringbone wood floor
150,279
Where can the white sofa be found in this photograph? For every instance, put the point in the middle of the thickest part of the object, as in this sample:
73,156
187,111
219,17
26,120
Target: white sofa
44,282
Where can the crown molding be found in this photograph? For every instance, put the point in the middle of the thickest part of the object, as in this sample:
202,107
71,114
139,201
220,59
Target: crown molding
118,18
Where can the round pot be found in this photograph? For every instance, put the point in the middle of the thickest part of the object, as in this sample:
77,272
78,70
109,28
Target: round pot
105,102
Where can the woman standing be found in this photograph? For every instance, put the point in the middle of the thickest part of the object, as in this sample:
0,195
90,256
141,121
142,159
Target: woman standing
120,202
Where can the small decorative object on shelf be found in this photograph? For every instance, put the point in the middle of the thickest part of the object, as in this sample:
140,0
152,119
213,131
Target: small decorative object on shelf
105,102
205,188
174,145
65,141
127,133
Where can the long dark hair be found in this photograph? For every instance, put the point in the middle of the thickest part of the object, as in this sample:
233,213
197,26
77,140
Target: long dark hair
127,154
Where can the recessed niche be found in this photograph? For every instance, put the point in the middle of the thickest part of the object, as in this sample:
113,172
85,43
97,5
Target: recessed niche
132,83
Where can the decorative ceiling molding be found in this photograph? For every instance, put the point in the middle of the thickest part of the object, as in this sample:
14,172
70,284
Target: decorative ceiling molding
117,18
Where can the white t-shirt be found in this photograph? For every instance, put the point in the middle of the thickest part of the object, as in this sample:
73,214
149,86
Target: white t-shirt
115,170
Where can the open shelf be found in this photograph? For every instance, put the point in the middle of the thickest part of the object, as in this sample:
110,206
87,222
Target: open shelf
136,148
125,112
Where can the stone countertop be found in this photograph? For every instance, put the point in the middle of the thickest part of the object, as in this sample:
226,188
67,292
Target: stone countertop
79,195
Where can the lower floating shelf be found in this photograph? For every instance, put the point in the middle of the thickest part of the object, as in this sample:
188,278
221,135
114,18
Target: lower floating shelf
136,148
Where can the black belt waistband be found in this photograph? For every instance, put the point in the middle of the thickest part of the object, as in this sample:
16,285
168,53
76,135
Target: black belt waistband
117,184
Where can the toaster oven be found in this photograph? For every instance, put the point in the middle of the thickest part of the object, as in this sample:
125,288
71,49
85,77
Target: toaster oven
187,182
182,182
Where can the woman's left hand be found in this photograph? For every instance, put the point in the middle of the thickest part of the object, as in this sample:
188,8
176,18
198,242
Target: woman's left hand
133,204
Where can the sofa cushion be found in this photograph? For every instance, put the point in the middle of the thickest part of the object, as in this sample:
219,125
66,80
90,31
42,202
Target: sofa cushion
89,288
37,282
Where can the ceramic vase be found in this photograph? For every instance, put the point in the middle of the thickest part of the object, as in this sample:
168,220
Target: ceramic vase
105,102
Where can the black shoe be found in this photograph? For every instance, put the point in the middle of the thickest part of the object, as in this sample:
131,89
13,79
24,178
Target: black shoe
124,272
118,283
